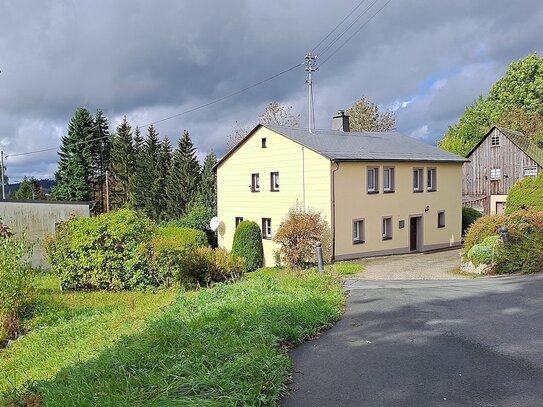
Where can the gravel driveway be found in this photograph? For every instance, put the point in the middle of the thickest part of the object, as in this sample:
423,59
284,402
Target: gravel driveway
418,266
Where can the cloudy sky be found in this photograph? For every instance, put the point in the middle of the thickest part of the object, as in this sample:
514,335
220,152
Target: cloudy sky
424,59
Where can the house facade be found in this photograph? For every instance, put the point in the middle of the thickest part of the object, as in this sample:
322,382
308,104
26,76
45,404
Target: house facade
501,158
381,193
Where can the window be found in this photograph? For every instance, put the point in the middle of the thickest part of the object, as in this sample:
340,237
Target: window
388,179
495,140
373,180
358,231
441,219
274,181
530,171
264,142
495,173
431,181
387,228
418,180
266,228
239,219
255,182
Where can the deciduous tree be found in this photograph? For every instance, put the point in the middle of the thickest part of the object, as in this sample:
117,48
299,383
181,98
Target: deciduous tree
366,116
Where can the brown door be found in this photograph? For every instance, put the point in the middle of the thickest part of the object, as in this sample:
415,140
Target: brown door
500,208
413,233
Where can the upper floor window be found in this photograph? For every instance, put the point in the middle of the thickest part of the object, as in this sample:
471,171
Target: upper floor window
388,179
264,141
387,228
266,228
239,219
495,140
274,181
530,171
431,180
495,173
418,180
255,182
358,231
373,180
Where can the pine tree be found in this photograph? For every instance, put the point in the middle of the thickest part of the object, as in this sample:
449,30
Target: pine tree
123,164
163,167
77,152
102,158
207,191
137,184
184,177
150,174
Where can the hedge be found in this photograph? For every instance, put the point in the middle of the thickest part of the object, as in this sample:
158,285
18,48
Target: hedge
248,244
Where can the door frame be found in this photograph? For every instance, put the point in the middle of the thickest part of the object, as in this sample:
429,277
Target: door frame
419,244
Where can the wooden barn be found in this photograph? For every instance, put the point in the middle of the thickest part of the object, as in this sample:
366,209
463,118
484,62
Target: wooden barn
500,159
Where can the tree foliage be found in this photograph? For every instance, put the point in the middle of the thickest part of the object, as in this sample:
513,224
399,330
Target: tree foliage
515,100
123,166
207,190
526,194
30,189
365,115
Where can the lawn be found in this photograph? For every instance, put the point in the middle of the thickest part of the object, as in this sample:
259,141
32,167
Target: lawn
218,346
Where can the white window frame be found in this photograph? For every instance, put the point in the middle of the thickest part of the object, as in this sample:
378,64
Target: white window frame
374,177
495,174
274,181
418,179
495,140
388,176
238,220
386,228
358,231
266,228
255,182
431,179
529,171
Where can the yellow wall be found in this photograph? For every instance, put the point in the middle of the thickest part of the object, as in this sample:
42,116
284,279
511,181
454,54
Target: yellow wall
234,196
353,202
494,199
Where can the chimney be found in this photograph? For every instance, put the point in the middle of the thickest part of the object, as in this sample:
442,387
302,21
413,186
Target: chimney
341,121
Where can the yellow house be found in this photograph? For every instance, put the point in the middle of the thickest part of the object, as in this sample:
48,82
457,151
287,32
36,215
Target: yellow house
381,192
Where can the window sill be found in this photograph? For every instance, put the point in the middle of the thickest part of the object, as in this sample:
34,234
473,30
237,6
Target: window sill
440,226
432,190
358,241
274,190
373,192
266,238
387,238
255,190
389,192
418,191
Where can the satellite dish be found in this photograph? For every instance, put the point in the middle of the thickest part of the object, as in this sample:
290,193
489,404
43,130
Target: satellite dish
214,223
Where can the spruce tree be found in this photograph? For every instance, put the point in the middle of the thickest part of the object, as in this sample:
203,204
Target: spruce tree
75,166
207,191
138,187
102,158
123,163
164,163
150,174
184,177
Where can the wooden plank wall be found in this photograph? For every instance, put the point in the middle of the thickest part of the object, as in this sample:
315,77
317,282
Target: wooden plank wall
507,156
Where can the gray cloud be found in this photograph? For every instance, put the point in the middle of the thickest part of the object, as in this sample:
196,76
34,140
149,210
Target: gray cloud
149,60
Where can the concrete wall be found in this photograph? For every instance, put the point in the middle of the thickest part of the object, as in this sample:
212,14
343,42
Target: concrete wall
302,173
353,202
37,219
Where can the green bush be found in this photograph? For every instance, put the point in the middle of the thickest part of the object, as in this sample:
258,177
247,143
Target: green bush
482,228
205,266
485,252
248,244
521,256
100,252
526,194
15,282
175,237
469,215
198,218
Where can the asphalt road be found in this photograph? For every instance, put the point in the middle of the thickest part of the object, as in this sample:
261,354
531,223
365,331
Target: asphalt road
428,343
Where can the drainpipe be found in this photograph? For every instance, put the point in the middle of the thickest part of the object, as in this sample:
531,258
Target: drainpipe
334,209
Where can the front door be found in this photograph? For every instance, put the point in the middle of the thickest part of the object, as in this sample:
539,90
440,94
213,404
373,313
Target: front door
414,233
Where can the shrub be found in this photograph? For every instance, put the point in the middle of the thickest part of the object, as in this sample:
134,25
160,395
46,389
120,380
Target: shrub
198,218
100,252
521,256
485,252
298,235
526,194
15,282
482,228
248,244
178,237
469,215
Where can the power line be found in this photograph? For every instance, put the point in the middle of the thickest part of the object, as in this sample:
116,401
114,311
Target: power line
173,116
356,32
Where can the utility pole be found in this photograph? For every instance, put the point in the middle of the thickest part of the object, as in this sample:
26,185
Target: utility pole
3,178
107,191
310,67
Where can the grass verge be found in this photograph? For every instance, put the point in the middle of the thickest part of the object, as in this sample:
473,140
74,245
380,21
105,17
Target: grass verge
214,347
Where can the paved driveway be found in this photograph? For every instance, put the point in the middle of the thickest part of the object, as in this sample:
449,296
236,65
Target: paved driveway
428,343
420,266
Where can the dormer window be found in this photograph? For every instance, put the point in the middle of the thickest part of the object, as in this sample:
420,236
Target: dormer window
495,140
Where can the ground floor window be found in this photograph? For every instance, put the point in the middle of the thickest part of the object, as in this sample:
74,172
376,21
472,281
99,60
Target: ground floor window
441,219
358,231
387,228
266,228
239,219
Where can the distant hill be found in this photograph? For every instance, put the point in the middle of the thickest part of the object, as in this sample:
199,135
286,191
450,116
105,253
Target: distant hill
47,184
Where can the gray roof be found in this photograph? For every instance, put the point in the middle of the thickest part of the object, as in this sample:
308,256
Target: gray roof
366,146
524,143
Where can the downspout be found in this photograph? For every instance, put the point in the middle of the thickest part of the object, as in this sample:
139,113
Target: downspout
334,209
303,177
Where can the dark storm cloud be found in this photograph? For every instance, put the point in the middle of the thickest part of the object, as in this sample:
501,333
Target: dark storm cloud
149,60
